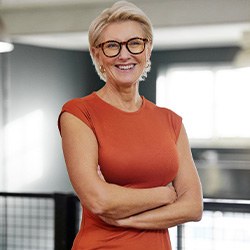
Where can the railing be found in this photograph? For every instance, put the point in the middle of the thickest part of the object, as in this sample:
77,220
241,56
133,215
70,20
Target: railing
225,225
51,221
38,221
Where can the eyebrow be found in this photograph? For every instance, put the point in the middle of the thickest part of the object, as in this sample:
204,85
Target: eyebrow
119,41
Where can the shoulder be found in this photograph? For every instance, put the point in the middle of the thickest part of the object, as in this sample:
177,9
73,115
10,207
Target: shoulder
79,102
79,107
162,110
170,117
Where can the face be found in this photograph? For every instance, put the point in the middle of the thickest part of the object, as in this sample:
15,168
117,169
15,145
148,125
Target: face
125,68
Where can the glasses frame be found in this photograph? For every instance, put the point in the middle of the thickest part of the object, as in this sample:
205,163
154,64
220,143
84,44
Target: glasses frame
101,45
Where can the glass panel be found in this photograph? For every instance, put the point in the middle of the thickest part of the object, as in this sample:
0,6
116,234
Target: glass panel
233,102
190,94
218,230
214,102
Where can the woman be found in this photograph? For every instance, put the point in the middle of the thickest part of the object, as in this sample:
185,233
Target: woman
129,161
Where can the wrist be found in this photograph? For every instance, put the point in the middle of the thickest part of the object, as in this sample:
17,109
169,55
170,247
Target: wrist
165,195
171,194
127,222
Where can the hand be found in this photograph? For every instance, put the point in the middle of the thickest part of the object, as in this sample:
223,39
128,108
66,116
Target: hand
100,173
109,221
171,194
117,223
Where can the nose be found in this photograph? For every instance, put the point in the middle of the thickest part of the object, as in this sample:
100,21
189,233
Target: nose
124,53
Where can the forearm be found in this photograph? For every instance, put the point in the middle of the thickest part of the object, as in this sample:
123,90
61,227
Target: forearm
166,216
183,210
121,202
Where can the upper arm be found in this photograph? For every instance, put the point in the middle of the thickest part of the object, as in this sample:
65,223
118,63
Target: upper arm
187,180
80,150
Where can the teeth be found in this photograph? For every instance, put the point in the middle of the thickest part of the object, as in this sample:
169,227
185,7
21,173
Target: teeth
125,67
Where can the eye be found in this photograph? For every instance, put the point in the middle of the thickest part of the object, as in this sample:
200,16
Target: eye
111,45
135,42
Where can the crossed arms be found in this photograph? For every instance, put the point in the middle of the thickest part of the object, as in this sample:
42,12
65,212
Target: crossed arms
149,208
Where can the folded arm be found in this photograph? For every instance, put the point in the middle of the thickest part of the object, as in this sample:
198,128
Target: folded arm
187,207
80,149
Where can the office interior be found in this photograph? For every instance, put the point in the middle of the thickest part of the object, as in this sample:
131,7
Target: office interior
50,64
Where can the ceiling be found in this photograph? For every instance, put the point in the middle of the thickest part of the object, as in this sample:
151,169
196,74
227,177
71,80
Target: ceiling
177,23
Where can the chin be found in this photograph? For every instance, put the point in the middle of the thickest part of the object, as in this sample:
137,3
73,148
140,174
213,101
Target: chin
127,80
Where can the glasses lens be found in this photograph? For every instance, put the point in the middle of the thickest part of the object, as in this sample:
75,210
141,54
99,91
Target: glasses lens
136,46
111,48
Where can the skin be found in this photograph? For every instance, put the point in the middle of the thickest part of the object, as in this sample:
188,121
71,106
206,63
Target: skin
151,208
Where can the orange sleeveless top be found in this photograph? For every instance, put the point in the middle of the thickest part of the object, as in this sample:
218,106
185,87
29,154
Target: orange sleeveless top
136,149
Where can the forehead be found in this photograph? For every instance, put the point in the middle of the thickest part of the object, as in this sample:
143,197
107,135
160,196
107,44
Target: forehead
122,31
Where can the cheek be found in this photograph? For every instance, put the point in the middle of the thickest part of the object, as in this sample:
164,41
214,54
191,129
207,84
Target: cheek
100,60
144,60
148,52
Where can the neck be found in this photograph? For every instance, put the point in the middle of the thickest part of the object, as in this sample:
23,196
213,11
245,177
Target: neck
127,99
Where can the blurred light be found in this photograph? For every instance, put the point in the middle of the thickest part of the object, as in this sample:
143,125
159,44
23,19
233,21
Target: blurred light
213,109
5,44
181,90
6,47
24,150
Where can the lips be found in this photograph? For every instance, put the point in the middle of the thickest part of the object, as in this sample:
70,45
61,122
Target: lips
125,67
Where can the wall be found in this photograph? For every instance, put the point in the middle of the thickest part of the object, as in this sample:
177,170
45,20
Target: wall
41,80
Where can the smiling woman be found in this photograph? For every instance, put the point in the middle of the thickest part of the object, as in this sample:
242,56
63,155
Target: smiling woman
129,161
122,56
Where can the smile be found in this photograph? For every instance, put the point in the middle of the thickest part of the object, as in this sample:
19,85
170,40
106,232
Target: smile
126,67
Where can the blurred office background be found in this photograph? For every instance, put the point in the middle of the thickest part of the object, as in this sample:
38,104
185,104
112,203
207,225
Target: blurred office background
200,69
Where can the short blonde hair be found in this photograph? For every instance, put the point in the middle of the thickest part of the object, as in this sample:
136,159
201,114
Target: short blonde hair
119,12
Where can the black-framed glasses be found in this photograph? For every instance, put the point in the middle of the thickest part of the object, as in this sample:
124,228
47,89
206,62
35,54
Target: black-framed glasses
134,45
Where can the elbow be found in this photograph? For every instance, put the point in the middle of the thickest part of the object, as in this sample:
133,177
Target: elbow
99,205
96,209
197,217
98,201
105,208
197,212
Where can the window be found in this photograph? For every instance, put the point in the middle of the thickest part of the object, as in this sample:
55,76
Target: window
213,101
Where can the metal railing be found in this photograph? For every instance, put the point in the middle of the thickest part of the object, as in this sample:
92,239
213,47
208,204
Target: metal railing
38,221
51,221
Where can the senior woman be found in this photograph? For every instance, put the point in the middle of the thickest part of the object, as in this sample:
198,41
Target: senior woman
128,160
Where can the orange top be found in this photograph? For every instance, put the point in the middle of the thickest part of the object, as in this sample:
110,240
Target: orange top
136,149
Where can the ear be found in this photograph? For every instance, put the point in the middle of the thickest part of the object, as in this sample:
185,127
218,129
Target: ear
96,54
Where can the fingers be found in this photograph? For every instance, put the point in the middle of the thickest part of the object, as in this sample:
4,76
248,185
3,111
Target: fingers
172,194
100,173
